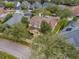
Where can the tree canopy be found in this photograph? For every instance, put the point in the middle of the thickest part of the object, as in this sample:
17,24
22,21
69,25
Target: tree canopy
45,27
66,2
18,31
53,46
58,11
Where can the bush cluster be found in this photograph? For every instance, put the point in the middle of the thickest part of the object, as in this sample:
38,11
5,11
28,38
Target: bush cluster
9,4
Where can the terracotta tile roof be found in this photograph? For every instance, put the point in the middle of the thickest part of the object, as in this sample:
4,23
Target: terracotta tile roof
75,10
36,20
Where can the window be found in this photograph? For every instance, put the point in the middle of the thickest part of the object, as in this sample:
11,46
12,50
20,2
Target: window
68,29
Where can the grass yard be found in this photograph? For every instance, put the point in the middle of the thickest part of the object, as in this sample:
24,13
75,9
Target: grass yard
4,55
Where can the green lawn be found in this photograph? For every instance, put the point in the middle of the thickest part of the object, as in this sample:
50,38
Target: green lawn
4,55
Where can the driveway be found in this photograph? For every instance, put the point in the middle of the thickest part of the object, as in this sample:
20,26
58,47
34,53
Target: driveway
15,49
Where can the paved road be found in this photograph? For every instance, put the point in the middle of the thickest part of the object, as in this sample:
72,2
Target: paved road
15,49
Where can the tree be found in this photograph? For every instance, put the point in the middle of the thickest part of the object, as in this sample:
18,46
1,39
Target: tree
53,9
24,5
75,18
25,21
44,12
45,27
18,31
53,46
58,11
66,13
36,12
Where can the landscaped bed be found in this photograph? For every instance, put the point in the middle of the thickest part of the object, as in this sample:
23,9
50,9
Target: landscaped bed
4,55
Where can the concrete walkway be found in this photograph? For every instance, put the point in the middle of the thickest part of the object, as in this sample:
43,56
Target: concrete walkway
15,49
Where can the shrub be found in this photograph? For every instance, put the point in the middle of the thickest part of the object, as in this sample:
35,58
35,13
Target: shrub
42,11
18,31
9,4
25,21
54,9
65,12
24,5
75,18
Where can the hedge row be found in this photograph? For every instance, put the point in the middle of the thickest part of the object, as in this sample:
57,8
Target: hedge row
21,41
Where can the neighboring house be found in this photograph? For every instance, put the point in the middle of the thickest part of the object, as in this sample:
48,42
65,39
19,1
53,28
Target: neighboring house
75,10
37,20
71,32
14,20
